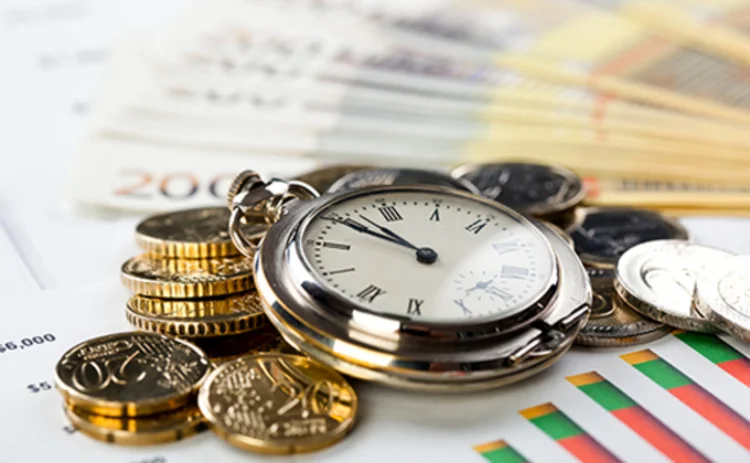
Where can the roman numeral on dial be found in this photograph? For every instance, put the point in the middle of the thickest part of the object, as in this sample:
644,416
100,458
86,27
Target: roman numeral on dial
390,213
343,247
510,271
476,226
435,217
501,293
370,293
415,307
505,247
464,309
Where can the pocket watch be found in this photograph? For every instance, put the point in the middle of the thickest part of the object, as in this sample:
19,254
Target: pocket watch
418,287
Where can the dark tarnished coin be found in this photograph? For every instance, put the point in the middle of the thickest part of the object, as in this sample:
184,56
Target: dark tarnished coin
532,189
606,233
322,179
612,322
191,234
385,176
186,278
226,348
147,430
197,318
131,374
277,403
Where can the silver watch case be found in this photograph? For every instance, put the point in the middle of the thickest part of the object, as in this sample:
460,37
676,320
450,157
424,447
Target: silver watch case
399,351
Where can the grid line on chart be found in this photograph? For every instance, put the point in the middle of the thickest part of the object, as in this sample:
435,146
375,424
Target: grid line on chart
25,251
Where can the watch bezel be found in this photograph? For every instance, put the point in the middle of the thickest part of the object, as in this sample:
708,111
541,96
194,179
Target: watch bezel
448,367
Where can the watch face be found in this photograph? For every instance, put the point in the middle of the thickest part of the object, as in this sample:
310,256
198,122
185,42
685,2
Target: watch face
433,257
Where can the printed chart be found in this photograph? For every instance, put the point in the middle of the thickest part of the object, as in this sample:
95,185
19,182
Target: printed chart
555,424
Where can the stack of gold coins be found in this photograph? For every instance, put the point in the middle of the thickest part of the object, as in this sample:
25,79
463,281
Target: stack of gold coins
192,282
133,388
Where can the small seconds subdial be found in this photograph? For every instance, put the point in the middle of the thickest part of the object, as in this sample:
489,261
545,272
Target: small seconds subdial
428,256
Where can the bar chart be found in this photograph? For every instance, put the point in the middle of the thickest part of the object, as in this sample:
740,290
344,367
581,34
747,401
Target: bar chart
701,404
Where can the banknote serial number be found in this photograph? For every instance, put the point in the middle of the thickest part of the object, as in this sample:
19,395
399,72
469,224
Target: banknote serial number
26,343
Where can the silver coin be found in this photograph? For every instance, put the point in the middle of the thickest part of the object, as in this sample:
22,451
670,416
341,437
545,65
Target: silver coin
722,294
532,189
392,176
658,278
612,322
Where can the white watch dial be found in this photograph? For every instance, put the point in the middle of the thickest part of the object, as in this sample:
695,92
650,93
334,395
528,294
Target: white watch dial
429,256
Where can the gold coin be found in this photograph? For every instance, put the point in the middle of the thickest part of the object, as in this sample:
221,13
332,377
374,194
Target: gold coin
612,322
278,403
187,278
322,179
193,318
191,234
226,348
147,430
131,374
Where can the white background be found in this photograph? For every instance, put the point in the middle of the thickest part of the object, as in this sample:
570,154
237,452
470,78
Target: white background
59,270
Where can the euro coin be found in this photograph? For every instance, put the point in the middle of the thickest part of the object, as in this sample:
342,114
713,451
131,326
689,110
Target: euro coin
226,348
722,294
393,176
322,179
187,278
131,374
191,234
147,430
277,403
194,318
604,234
612,322
658,280
532,189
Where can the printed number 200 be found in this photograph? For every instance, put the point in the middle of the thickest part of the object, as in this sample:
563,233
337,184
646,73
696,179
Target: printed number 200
178,185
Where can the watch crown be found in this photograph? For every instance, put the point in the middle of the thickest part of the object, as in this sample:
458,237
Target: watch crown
240,182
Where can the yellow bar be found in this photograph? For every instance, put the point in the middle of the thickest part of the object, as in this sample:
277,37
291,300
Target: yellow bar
585,379
539,410
634,358
490,446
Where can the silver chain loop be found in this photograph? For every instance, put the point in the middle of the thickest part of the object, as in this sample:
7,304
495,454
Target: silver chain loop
258,201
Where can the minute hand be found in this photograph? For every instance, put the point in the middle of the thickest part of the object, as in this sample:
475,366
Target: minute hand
356,226
390,233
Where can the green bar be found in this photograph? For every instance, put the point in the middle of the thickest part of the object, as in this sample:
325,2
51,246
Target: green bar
504,455
557,426
709,346
607,395
663,374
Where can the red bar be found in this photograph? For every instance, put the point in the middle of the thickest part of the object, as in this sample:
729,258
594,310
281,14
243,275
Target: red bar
739,368
658,435
587,449
710,408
